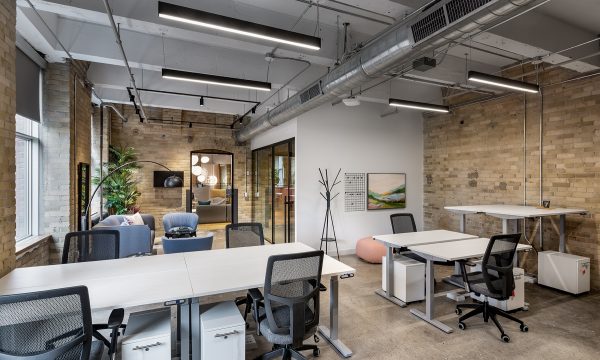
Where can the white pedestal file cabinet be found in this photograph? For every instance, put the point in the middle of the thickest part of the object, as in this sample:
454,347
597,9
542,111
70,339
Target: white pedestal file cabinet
222,332
566,272
409,278
148,336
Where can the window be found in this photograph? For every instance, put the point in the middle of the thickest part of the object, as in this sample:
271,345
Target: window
26,179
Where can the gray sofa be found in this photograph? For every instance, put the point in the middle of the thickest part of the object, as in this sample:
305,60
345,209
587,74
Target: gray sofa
134,239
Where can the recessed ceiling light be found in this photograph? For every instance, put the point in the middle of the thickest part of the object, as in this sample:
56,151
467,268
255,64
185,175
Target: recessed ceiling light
418,105
236,26
215,80
503,82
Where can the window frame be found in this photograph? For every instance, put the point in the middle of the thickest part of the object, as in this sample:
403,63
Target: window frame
30,134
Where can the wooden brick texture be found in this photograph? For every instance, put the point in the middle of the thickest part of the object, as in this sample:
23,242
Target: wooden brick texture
171,145
7,135
477,155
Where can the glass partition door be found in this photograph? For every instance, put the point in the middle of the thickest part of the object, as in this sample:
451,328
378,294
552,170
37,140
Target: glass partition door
274,184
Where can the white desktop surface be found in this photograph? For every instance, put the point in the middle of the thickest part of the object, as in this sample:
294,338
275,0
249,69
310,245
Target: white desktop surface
421,238
111,283
519,211
211,273
458,250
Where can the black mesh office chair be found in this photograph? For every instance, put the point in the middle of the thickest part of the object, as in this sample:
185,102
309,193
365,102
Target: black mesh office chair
288,313
242,235
96,245
51,324
495,280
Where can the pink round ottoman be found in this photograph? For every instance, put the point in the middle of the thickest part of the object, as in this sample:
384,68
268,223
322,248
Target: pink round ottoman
370,250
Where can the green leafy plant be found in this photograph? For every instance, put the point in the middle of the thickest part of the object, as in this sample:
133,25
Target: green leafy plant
119,189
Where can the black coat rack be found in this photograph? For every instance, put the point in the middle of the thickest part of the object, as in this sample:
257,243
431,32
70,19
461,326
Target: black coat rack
325,238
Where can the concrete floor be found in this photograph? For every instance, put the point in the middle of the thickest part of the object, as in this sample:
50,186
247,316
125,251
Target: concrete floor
561,326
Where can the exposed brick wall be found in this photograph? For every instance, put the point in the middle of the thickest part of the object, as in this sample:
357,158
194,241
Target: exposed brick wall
476,156
35,255
171,145
7,135
65,139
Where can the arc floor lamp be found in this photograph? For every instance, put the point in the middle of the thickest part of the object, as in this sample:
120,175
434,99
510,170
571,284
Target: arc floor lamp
170,182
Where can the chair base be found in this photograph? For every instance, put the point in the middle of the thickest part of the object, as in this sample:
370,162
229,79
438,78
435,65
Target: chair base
288,352
488,312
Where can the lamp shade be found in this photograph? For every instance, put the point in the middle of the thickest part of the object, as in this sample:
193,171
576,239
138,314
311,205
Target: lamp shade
204,159
201,178
212,180
173,181
194,159
196,170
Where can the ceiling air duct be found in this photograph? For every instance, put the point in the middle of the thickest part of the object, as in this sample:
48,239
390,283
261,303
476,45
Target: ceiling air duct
430,27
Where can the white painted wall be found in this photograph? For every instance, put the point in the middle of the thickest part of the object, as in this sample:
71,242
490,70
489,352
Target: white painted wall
356,139
279,133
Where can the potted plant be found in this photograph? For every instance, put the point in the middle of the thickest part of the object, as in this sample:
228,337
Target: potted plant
120,189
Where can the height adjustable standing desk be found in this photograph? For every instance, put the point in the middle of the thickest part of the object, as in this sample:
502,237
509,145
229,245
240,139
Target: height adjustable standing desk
447,251
515,212
404,240
166,279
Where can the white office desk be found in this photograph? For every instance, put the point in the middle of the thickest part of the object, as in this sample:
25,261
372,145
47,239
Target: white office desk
448,251
404,240
228,270
175,277
112,283
514,212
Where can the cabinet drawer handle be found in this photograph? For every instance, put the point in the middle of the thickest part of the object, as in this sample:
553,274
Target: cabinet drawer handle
225,335
147,347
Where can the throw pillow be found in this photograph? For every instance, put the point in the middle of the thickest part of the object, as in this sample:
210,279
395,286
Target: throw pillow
124,223
200,202
135,219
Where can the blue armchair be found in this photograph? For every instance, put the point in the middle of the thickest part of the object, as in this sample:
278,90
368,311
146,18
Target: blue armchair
134,239
173,220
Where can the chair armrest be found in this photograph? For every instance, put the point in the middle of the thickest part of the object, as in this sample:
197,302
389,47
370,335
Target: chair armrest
505,270
255,294
115,319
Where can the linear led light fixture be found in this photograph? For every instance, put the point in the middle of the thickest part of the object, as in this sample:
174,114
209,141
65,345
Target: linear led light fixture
503,82
236,26
418,105
215,80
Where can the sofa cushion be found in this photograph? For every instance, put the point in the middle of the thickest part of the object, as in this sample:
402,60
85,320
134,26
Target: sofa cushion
217,201
135,219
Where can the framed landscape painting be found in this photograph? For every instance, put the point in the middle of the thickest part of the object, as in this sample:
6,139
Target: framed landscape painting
386,191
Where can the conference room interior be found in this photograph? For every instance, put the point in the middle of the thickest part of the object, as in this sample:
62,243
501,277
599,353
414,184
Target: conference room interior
274,179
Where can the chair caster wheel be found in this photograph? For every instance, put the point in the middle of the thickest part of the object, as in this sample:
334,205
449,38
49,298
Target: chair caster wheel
462,325
316,338
317,352
505,338
458,311
524,328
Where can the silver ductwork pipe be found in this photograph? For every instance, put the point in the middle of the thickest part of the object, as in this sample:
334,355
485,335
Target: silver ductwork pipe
391,51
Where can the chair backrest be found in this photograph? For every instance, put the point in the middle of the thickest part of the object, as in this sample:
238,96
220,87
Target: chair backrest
178,245
244,234
172,220
497,264
403,223
51,324
292,282
91,245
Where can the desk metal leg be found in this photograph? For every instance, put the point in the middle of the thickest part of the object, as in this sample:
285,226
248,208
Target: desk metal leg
562,245
463,223
195,328
389,279
331,333
429,302
184,324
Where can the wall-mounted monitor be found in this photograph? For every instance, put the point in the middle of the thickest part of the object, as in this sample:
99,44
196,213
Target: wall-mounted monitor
161,176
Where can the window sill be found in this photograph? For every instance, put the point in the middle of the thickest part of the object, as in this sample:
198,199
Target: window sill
31,242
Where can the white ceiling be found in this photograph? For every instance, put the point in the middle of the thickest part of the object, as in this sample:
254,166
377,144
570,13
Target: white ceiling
83,28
